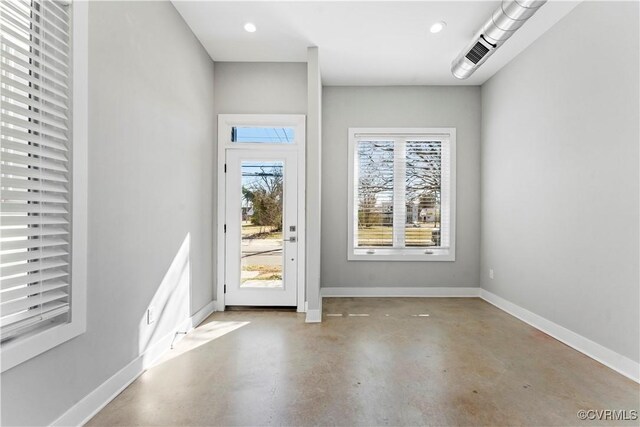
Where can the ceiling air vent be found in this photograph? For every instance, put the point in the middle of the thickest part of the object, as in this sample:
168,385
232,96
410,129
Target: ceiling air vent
504,21
477,53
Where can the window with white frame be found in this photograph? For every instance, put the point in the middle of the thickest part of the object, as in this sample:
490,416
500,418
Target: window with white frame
40,299
402,194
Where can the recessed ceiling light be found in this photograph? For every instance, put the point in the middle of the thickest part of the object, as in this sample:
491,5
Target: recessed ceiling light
249,27
438,26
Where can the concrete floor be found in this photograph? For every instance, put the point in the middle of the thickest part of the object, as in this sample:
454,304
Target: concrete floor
466,363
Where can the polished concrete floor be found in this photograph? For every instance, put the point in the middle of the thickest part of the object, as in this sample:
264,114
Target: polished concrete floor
373,361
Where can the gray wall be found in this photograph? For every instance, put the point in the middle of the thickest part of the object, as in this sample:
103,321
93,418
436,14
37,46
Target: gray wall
313,181
442,106
258,88
150,184
560,176
261,88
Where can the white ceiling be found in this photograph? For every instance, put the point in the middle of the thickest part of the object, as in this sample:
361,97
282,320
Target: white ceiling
360,42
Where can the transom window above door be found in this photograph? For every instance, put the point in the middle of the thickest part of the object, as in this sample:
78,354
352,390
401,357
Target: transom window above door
262,134
402,194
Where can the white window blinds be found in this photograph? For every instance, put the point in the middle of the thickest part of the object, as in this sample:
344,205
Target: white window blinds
35,171
375,193
401,198
427,193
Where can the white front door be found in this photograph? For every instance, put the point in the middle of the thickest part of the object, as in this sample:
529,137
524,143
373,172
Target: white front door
261,209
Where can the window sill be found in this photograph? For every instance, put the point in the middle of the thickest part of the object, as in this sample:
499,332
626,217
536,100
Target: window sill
404,254
26,347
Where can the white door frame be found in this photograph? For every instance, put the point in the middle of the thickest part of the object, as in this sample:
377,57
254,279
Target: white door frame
225,123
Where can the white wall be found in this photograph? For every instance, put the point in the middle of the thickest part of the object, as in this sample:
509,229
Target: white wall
258,88
150,183
399,106
560,176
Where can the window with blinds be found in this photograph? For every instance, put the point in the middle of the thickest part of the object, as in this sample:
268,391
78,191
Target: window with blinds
375,193
35,167
401,183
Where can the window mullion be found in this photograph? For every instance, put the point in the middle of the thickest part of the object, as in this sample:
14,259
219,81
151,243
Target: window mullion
399,194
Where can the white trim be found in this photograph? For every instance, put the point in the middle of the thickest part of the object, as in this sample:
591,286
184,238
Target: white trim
80,164
225,123
14,353
202,314
402,254
443,292
91,404
398,135
315,315
607,357
302,215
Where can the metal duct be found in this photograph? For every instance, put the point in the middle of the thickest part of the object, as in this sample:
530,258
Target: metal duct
505,21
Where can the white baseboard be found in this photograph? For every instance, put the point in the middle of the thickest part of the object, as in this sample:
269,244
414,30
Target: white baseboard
400,292
607,357
85,409
202,314
315,315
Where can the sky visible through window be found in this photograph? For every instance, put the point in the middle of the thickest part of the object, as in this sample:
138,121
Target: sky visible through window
254,174
272,135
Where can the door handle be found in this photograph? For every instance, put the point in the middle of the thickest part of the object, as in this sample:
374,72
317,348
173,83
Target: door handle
291,239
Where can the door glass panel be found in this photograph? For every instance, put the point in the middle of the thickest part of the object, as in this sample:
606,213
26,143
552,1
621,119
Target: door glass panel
262,244
269,135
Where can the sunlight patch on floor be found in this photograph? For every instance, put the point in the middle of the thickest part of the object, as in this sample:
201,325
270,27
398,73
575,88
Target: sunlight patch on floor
201,335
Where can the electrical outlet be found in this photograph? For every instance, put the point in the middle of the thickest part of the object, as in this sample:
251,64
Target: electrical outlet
151,315
491,273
